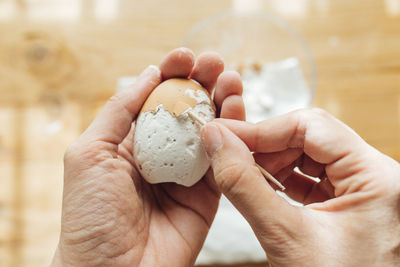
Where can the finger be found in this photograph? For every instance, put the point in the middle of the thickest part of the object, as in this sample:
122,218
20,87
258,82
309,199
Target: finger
233,108
284,173
273,135
319,134
323,138
192,200
228,83
113,122
310,167
298,187
177,63
274,162
208,67
169,201
240,180
306,191
210,181
125,149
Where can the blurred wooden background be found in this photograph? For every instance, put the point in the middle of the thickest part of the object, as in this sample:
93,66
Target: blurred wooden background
60,61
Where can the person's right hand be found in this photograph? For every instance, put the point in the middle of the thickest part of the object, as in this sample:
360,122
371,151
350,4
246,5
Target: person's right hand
350,218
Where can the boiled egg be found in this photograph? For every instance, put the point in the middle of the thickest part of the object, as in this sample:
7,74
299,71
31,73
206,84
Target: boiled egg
167,145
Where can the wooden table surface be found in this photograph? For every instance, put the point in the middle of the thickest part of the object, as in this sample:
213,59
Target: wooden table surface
60,60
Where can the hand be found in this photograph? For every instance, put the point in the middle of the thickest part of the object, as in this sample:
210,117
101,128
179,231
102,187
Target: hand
350,218
110,215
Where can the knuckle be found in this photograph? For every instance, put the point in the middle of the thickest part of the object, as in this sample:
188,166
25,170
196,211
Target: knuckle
306,121
85,152
115,98
320,112
312,113
95,151
232,176
120,100
71,152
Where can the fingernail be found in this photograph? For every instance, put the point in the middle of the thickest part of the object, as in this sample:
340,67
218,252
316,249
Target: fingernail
151,69
211,139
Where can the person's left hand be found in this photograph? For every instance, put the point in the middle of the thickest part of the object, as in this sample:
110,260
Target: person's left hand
110,215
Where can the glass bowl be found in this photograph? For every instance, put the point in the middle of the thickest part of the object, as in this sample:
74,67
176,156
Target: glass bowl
276,63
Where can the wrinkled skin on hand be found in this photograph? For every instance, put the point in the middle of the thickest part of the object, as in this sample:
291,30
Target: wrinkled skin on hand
350,218
110,215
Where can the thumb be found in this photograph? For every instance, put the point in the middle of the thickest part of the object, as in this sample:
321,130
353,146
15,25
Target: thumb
243,184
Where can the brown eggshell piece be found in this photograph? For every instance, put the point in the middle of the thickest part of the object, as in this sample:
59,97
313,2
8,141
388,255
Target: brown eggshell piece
171,94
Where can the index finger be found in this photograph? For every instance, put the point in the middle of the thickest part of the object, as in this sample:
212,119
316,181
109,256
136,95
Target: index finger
321,136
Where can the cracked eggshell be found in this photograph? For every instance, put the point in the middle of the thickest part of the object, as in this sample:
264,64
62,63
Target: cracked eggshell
167,145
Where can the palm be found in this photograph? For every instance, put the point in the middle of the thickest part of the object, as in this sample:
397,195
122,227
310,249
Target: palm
136,220
111,216
172,220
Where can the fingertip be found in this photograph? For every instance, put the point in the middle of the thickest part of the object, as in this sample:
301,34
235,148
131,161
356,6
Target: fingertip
231,143
177,63
228,83
208,128
207,68
233,108
151,75
143,86
151,69
230,75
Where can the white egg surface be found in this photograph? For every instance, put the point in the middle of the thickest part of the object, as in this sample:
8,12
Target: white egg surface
167,145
